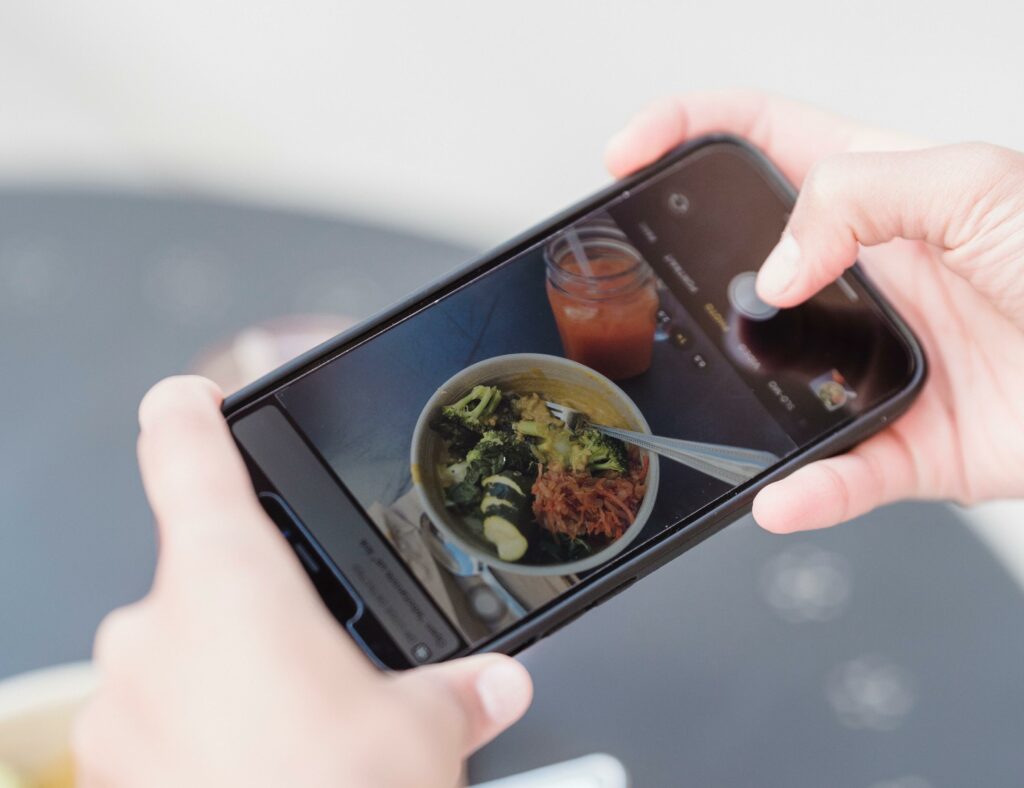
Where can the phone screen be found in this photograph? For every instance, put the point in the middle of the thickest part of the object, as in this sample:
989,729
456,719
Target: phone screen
427,466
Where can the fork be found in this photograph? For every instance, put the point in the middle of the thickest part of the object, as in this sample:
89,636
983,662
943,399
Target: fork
730,464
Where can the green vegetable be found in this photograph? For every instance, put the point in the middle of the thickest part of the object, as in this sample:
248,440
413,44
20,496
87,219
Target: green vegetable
493,445
491,504
461,424
475,407
494,453
498,481
506,538
465,496
601,452
504,496
503,451
554,441
456,436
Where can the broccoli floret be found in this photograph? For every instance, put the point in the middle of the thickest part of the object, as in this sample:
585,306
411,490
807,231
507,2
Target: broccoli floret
602,452
460,424
465,497
504,416
501,451
487,448
475,407
465,494
553,445
457,436
519,457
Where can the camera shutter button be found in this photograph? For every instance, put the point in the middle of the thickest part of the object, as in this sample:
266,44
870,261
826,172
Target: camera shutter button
744,299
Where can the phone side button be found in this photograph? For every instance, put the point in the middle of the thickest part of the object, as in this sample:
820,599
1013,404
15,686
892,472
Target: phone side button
285,523
311,564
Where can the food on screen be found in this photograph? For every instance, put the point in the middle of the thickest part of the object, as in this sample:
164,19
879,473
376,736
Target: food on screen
531,486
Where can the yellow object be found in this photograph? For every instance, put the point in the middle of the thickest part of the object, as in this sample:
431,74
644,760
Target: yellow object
9,779
511,544
59,775
490,502
36,714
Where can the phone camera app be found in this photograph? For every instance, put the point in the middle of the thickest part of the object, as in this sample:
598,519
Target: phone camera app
833,390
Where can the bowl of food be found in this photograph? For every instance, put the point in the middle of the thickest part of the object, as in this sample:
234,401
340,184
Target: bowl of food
513,486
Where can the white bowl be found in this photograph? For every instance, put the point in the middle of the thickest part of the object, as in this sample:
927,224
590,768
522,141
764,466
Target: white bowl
560,380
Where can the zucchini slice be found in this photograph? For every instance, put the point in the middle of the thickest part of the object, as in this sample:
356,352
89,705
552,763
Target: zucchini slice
493,504
503,534
505,481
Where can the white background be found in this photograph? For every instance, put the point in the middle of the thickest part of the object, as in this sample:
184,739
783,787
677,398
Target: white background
466,120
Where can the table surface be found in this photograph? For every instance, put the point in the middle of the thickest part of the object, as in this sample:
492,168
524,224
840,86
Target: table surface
878,654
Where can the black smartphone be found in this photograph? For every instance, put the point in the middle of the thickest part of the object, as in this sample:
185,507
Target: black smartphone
513,445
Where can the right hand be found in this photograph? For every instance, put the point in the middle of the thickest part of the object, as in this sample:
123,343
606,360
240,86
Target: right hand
946,227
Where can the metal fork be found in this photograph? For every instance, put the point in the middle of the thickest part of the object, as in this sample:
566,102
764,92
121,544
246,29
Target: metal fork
730,464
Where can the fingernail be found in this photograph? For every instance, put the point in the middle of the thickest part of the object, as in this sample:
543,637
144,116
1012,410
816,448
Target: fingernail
779,268
504,691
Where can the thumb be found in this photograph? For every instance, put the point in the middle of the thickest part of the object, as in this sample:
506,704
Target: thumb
193,474
936,195
472,699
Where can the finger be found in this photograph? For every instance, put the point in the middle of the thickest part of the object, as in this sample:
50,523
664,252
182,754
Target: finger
791,134
474,699
194,476
879,471
866,199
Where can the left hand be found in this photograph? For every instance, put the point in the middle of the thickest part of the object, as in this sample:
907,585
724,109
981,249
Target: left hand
232,672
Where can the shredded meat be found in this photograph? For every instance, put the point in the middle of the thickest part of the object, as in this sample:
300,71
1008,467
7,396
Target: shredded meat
578,504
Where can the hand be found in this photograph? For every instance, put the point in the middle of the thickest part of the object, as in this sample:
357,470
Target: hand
946,231
232,672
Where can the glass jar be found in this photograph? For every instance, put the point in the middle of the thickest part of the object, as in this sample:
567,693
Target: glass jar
605,304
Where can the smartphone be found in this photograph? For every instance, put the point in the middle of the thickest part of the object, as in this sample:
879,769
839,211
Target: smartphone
511,446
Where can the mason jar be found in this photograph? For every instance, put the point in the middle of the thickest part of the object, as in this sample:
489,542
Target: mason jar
604,299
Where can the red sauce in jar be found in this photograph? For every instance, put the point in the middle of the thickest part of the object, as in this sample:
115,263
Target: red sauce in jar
605,311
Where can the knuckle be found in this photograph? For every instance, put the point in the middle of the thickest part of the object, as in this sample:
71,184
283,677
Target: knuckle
119,634
824,182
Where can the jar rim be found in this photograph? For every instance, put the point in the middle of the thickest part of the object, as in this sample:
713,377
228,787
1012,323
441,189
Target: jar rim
636,262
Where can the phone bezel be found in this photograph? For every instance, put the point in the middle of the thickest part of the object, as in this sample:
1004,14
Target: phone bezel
687,532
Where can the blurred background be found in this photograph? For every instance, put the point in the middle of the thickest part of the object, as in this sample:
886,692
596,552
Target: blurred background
468,121
171,174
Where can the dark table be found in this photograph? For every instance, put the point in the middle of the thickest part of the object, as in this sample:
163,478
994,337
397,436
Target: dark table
882,654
